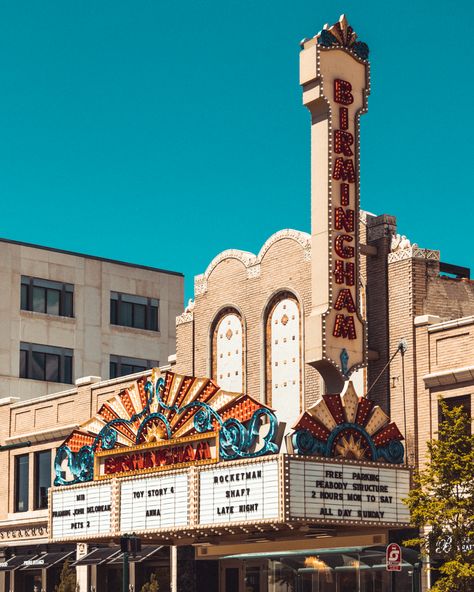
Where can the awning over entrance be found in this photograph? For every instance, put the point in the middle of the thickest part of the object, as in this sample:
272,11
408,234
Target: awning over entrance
98,556
46,560
372,555
146,552
17,561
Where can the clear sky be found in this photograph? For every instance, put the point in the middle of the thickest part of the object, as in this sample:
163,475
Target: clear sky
162,132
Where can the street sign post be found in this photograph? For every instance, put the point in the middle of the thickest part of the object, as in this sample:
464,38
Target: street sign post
393,557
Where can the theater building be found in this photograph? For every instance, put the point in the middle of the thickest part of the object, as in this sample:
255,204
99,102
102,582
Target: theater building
273,453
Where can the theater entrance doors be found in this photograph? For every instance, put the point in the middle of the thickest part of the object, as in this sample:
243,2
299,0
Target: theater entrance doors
243,576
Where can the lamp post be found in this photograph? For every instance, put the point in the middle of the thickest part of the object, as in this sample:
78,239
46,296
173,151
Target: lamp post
128,545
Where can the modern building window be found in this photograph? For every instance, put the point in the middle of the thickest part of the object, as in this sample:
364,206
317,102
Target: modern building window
122,366
134,311
46,296
42,478
45,362
463,401
21,482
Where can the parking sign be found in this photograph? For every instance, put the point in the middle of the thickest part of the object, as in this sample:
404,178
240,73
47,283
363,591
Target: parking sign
393,557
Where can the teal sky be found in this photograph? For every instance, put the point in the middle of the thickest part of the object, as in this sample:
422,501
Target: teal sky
162,133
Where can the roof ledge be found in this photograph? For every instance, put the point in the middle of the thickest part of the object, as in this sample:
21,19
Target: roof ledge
427,319
449,377
43,435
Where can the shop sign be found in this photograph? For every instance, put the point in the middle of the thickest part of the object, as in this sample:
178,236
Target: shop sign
239,493
23,532
80,512
393,557
156,456
351,493
154,503
33,562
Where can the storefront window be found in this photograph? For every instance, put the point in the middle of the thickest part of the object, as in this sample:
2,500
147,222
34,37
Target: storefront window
355,569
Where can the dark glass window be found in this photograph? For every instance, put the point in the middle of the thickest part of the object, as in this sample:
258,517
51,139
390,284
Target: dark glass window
46,296
21,483
23,363
462,401
122,366
24,296
42,478
134,311
45,362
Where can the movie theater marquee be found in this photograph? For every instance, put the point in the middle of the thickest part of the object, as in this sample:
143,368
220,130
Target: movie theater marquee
280,489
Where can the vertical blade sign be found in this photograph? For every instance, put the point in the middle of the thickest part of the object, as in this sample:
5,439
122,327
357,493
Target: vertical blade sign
335,79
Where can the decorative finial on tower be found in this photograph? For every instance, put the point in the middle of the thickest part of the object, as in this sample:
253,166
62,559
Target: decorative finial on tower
341,34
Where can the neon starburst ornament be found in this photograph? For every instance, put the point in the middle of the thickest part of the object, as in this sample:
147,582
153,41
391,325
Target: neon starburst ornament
349,427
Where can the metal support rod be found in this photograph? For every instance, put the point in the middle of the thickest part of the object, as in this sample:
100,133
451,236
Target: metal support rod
126,573
404,407
174,568
402,348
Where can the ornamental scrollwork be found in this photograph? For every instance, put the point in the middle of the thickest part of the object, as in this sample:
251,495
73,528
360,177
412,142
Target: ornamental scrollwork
173,407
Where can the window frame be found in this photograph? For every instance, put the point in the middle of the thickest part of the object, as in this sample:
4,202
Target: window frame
118,303
37,505
49,286
27,361
120,361
16,500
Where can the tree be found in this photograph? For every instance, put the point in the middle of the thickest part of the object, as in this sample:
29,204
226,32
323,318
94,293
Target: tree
67,579
441,502
152,585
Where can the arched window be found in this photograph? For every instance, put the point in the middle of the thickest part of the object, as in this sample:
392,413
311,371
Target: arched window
283,358
228,351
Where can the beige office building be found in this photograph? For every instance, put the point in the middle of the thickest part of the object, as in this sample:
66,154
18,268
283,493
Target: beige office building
65,315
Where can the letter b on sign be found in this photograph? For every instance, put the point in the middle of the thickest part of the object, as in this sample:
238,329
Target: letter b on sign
393,557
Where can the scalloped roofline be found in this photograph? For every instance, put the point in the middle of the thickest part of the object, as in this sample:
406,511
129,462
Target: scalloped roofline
250,261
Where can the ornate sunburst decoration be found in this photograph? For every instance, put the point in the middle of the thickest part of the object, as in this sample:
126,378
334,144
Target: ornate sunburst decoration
341,34
164,408
348,427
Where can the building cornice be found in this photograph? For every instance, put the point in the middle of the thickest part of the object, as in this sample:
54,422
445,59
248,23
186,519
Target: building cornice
413,252
453,324
449,377
43,435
